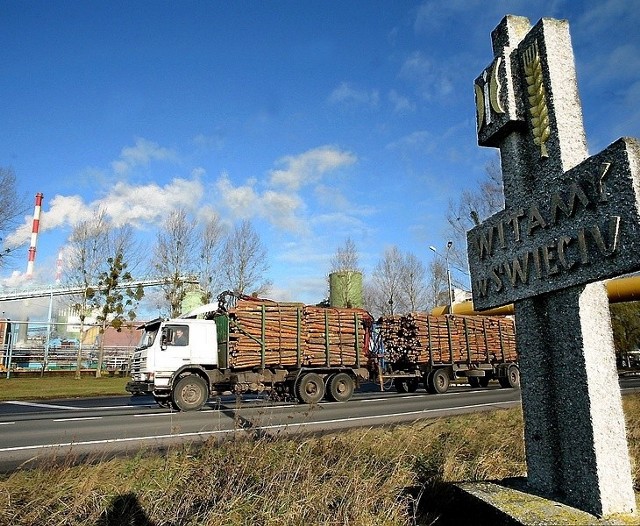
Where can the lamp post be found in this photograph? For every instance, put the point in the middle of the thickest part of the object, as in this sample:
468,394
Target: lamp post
446,260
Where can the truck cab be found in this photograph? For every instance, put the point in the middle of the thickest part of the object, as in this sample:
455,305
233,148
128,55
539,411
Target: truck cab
170,350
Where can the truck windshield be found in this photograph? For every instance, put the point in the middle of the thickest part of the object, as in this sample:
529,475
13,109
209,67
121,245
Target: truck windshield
147,338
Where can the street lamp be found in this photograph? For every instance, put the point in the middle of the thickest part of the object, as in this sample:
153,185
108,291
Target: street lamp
446,259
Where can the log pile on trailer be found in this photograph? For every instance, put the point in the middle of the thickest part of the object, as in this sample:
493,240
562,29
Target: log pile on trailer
419,337
294,334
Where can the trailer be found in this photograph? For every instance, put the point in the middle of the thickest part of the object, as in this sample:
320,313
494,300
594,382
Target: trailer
431,350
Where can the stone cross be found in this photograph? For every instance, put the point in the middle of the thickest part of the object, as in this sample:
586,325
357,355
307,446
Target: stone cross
570,221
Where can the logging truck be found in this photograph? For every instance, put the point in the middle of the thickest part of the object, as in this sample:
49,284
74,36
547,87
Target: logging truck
421,348
289,349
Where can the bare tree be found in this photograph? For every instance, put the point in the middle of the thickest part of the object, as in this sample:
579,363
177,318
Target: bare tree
88,246
209,266
12,207
346,258
122,240
244,261
438,283
173,256
387,284
472,207
413,284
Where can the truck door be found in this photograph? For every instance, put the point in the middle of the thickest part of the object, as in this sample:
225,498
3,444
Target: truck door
176,346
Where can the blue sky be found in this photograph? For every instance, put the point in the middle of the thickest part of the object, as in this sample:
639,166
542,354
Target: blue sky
317,120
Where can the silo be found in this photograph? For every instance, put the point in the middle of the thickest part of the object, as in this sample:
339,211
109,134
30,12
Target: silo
345,289
191,300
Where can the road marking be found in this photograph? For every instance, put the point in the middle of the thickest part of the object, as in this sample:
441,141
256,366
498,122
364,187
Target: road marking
232,407
211,410
36,404
7,423
72,408
77,418
203,434
392,396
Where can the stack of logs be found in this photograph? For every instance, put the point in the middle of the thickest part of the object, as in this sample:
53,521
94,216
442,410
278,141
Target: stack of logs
295,334
423,338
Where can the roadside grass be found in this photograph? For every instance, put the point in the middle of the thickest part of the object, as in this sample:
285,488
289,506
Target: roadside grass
48,387
378,476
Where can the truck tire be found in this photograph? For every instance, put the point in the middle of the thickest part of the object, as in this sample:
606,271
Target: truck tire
512,379
340,387
190,393
438,381
406,385
474,381
484,381
309,389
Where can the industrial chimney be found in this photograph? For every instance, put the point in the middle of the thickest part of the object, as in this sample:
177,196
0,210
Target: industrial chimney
34,234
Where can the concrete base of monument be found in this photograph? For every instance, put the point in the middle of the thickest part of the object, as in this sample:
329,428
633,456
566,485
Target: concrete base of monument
507,503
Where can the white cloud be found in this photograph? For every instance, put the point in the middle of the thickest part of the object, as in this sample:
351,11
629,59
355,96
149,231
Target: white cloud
331,197
141,154
602,16
418,140
421,71
436,16
346,94
241,201
416,66
400,103
124,204
613,68
280,209
310,166
245,202
209,142
281,203
17,279
143,204
340,223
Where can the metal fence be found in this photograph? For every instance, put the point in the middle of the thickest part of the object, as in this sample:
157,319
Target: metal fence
37,358
45,347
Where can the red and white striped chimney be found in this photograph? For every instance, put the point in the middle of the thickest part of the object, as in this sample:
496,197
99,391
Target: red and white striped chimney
34,234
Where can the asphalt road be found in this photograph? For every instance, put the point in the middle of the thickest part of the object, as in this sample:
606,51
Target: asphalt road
33,432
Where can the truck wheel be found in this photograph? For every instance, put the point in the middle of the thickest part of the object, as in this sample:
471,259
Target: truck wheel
512,379
484,381
340,387
406,385
190,393
474,381
310,388
438,381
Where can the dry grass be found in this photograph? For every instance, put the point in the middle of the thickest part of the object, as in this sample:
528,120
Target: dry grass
49,387
380,476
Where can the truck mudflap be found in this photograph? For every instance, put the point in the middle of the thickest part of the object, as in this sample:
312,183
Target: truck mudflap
136,388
